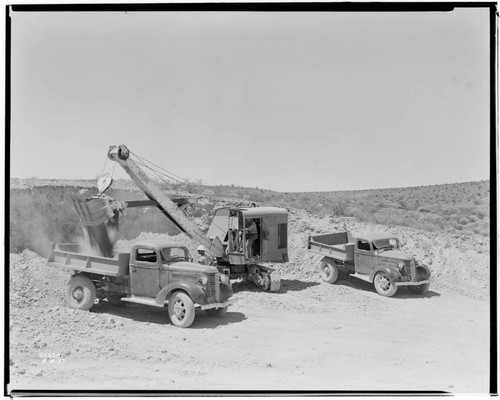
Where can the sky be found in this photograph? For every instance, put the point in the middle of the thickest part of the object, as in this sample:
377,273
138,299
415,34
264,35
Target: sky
289,102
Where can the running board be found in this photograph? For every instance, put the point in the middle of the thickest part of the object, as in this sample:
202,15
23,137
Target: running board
365,278
142,300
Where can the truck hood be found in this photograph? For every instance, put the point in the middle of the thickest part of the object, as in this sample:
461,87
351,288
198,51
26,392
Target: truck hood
395,255
192,267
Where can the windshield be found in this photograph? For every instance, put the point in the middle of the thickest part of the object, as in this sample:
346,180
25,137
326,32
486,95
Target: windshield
387,244
173,254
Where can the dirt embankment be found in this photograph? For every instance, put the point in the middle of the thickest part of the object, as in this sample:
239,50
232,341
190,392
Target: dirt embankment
309,336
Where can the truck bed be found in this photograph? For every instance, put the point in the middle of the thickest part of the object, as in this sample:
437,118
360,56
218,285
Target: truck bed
69,256
334,245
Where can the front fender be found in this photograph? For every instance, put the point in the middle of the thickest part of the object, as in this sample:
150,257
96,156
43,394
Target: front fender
423,276
226,291
195,291
392,272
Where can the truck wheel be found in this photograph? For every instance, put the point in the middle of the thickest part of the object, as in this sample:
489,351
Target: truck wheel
217,312
115,300
422,275
420,289
181,310
80,292
328,270
384,285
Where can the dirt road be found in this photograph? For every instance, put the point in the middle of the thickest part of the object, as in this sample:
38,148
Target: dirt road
310,336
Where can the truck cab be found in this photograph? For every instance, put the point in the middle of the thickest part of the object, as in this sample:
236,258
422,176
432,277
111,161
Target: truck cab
374,250
158,267
378,258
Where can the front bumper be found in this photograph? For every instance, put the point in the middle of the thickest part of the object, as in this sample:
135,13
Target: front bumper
412,283
216,305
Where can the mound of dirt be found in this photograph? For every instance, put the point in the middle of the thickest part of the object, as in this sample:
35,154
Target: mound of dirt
38,309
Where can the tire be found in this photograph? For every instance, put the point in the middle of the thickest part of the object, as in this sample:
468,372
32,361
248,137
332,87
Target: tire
115,300
328,270
420,289
80,292
422,275
384,285
217,312
262,280
181,310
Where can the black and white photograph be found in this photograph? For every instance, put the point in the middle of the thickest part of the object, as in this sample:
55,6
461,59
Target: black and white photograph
251,199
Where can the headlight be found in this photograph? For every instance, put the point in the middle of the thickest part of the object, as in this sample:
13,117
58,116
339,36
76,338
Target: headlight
401,265
419,263
203,280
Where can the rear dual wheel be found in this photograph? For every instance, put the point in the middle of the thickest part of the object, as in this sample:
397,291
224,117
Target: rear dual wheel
328,270
80,292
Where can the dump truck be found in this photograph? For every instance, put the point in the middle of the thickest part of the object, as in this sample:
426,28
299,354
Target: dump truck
376,258
244,241
158,273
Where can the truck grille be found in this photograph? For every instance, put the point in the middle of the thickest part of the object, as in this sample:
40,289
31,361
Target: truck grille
409,269
213,285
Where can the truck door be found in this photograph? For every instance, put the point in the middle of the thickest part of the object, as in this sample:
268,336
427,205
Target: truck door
363,262
145,272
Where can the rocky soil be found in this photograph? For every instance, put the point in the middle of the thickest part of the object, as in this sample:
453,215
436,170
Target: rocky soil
309,336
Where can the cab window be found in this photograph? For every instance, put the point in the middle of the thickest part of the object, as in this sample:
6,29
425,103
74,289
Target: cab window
170,254
145,255
363,245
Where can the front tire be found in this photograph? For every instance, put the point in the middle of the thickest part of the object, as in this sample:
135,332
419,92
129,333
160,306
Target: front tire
422,275
420,289
328,270
80,292
181,310
384,285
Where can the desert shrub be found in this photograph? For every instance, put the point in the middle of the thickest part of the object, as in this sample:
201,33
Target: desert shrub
340,207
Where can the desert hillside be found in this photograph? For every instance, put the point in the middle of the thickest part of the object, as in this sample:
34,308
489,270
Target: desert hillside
41,210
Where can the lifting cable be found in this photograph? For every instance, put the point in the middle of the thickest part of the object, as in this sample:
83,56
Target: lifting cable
156,173
160,175
166,173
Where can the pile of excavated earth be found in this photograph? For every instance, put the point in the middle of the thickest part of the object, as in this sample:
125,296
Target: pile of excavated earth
459,265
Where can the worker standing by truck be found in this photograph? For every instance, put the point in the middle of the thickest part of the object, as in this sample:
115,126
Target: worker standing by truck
204,258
